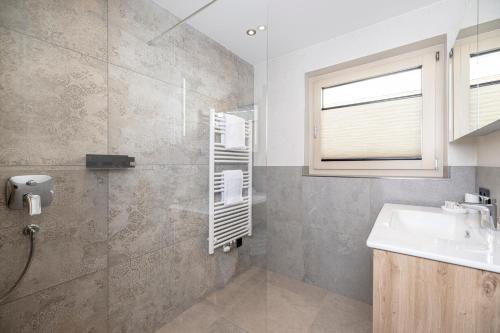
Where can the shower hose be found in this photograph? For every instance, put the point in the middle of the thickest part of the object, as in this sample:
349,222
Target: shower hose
30,231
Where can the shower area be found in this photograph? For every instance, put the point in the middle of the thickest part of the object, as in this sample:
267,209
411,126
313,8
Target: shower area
126,248
120,249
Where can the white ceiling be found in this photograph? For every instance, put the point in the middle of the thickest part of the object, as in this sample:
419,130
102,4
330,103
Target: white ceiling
293,24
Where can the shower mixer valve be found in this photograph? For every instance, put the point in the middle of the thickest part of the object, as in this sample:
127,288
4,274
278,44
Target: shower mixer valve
34,192
30,191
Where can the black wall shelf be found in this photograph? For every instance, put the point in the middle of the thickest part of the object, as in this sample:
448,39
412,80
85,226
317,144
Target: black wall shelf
95,161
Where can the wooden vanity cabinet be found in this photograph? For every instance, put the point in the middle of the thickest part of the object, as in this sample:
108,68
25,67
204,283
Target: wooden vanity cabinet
412,294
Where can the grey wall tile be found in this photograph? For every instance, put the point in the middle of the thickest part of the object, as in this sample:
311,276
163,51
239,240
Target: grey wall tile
141,292
72,238
317,226
74,24
426,192
226,265
53,103
244,259
253,252
285,248
337,204
258,242
75,306
336,222
259,175
338,262
489,177
284,221
284,194
259,211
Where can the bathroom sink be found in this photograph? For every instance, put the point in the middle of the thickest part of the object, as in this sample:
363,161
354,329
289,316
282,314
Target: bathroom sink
431,233
426,224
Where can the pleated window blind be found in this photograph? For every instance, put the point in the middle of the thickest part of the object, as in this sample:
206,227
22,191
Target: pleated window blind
484,101
377,118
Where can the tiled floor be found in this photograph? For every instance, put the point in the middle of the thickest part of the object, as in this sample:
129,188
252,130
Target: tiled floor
260,301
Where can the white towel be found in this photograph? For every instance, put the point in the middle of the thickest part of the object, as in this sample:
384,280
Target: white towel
234,136
233,187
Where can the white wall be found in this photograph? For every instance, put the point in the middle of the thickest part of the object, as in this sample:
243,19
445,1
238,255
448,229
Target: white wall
488,153
286,85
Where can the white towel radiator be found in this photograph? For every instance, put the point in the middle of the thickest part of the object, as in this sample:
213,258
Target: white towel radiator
228,222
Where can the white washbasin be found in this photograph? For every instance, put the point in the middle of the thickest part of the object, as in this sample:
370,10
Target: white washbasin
431,233
425,223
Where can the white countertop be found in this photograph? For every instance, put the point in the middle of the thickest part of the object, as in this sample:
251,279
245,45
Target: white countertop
431,233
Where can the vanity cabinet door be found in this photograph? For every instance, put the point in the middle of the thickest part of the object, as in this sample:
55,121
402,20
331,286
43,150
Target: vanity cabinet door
412,294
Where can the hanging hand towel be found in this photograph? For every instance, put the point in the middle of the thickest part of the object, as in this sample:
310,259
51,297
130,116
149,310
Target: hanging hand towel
234,136
233,187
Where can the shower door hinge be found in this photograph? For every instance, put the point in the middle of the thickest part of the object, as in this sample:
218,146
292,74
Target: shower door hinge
436,164
437,56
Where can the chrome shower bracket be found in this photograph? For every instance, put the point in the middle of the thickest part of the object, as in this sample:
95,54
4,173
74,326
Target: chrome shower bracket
31,229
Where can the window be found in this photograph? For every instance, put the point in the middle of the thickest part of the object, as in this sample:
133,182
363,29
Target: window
484,103
476,82
381,118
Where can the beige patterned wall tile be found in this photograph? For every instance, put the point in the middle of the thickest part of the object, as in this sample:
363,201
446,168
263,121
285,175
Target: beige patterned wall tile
147,121
72,237
54,106
73,24
140,292
75,306
138,213
54,103
132,23
184,53
194,271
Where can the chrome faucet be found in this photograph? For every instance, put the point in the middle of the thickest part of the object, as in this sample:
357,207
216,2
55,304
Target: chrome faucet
488,209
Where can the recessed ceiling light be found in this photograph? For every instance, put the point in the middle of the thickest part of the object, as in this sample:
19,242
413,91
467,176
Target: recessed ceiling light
251,32
262,27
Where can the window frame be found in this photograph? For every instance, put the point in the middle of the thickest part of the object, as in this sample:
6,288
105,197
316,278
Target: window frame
433,129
